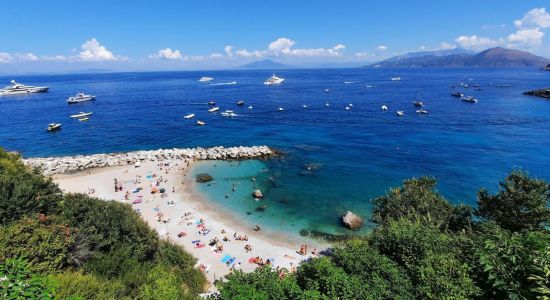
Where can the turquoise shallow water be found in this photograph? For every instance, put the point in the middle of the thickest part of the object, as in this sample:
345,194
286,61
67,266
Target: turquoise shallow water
353,155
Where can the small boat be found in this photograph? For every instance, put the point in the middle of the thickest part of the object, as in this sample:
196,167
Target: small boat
211,103
189,116
400,113
421,111
240,103
327,104
304,106
206,79
384,107
469,99
54,126
274,80
200,123
280,109
80,97
228,113
396,78
81,115
250,107
84,119
502,85
348,108
350,105
214,109
457,94
418,103
327,90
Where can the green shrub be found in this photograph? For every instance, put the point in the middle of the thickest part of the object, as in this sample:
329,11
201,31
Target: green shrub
75,285
18,282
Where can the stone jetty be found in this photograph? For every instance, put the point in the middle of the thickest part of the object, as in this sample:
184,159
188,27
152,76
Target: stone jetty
67,164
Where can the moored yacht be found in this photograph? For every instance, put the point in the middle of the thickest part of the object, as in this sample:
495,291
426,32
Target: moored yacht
397,78
214,109
81,115
54,126
17,88
189,116
273,80
469,99
205,79
80,97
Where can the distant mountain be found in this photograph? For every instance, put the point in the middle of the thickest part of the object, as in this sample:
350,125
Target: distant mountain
265,64
493,57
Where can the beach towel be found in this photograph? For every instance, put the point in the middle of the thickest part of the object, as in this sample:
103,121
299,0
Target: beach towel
226,258
231,261
251,260
200,245
195,241
136,202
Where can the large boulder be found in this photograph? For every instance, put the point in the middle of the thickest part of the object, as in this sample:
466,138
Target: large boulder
258,194
203,177
352,221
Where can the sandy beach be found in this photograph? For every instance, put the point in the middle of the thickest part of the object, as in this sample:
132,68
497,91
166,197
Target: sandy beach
183,216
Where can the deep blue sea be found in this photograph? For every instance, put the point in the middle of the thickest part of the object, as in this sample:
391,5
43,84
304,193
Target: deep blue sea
353,155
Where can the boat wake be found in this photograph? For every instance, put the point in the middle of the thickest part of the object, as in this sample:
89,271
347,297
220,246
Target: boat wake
224,83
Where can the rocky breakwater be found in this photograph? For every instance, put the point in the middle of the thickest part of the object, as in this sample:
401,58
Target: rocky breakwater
67,164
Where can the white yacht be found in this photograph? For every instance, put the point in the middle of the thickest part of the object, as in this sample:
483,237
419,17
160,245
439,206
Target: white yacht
469,99
214,109
17,88
229,113
205,79
384,107
200,123
396,78
81,115
80,97
189,116
400,113
273,80
54,126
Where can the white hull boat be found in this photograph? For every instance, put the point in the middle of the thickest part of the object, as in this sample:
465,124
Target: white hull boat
201,123
54,126
19,89
189,116
214,109
274,80
205,79
80,97
81,115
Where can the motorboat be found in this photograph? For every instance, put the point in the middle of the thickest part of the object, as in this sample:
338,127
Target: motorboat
81,115
84,119
54,126
397,78
214,109
327,91
250,107
384,107
80,97
189,116
200,123
348,108
205,79
280,109
229,113
400,113
421,111
350,105
240,102
469,99
418,104
211,103
327,104
18,88
274,80
304,106
457,94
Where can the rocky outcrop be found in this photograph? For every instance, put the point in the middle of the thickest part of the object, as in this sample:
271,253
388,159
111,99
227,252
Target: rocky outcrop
56,165
544,93
352,221
203,177
258,194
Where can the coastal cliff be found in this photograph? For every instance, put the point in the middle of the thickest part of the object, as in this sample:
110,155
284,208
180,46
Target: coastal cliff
66,164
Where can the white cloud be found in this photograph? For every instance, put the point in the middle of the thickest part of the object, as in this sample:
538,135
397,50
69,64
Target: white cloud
246,53
281,45
446,46
92,50
55,58
422,48
381,48
535,17
193,58
526,37
5,57
228,50
216,55
167,54
26,56
476,43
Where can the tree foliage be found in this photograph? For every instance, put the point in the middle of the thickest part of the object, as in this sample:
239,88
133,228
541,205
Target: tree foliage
522,203
17,281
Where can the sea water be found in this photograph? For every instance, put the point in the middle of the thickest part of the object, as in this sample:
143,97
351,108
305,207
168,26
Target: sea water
335,159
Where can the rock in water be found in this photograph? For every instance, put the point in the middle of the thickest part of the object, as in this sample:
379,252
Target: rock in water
544,93
258,194
352,221
202,178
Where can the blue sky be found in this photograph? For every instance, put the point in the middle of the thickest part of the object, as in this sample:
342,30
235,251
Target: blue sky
63,35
